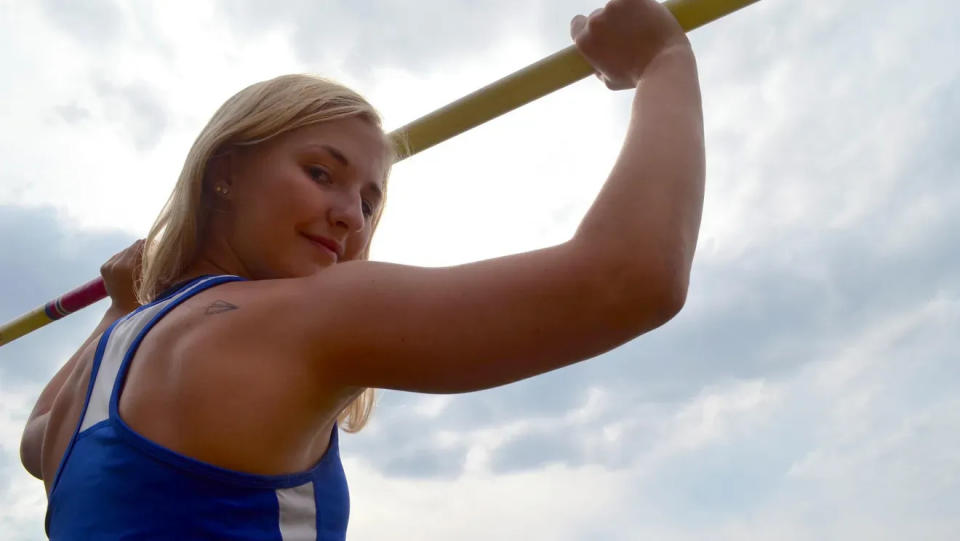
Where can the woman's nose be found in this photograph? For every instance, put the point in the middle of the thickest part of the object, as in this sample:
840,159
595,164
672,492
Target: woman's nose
347,211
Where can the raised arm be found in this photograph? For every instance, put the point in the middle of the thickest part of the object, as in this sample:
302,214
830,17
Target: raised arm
492,322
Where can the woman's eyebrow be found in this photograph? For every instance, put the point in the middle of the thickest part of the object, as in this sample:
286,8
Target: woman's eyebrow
336,154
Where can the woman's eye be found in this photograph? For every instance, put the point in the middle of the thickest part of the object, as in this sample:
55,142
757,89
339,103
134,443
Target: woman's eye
367,209
318,173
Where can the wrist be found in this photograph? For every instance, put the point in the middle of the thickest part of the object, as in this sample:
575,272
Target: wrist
679,52
674,58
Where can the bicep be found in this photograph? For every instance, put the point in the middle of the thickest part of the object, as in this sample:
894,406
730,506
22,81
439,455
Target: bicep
31,442
468,327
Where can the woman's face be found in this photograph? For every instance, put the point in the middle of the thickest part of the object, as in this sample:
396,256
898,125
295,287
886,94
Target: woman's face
301,201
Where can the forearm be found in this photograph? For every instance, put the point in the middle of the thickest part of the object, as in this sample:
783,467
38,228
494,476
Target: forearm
646,218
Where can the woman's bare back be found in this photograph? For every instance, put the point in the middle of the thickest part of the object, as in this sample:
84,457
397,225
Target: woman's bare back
197,388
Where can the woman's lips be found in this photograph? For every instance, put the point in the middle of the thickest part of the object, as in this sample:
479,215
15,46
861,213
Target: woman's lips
327,245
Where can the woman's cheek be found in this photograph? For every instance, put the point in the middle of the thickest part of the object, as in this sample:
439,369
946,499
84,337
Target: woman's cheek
356,245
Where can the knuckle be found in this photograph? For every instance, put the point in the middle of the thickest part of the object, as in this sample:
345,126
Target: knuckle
616,5
596,23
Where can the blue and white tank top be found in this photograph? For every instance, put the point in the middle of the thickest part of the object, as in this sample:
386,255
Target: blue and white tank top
113,483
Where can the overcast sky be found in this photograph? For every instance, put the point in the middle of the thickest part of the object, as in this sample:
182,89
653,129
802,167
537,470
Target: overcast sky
808,390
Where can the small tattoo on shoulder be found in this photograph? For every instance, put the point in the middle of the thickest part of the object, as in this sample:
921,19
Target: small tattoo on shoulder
220,306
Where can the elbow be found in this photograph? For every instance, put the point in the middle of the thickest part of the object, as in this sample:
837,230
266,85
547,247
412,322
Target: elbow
645,301
30,448
637,291
673,298
663,303
31,466
669,282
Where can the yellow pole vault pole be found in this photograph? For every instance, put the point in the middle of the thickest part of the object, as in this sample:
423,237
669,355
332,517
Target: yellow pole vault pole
534,81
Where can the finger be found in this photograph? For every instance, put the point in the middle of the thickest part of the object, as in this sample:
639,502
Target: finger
576,25
134,249
594,15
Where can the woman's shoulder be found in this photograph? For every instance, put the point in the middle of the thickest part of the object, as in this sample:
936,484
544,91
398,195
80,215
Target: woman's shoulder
236,327
229,313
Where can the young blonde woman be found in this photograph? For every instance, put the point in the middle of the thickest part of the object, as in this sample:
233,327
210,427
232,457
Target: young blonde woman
206,405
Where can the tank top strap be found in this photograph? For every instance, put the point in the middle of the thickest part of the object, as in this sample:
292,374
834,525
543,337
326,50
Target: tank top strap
121,340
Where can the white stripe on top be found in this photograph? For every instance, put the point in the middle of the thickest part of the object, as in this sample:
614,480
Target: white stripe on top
118,343
298,513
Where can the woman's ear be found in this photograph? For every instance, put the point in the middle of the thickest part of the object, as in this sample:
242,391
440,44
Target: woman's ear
218,177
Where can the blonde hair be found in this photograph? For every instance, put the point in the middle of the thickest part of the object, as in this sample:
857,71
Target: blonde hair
255,114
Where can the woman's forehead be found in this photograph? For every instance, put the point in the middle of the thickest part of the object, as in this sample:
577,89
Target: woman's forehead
352,140
355,131
352,143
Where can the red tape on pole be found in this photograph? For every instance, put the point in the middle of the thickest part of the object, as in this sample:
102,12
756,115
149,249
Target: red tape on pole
85,295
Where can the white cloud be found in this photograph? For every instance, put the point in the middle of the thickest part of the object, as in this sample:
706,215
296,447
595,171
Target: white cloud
718,415
553,503
432,405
